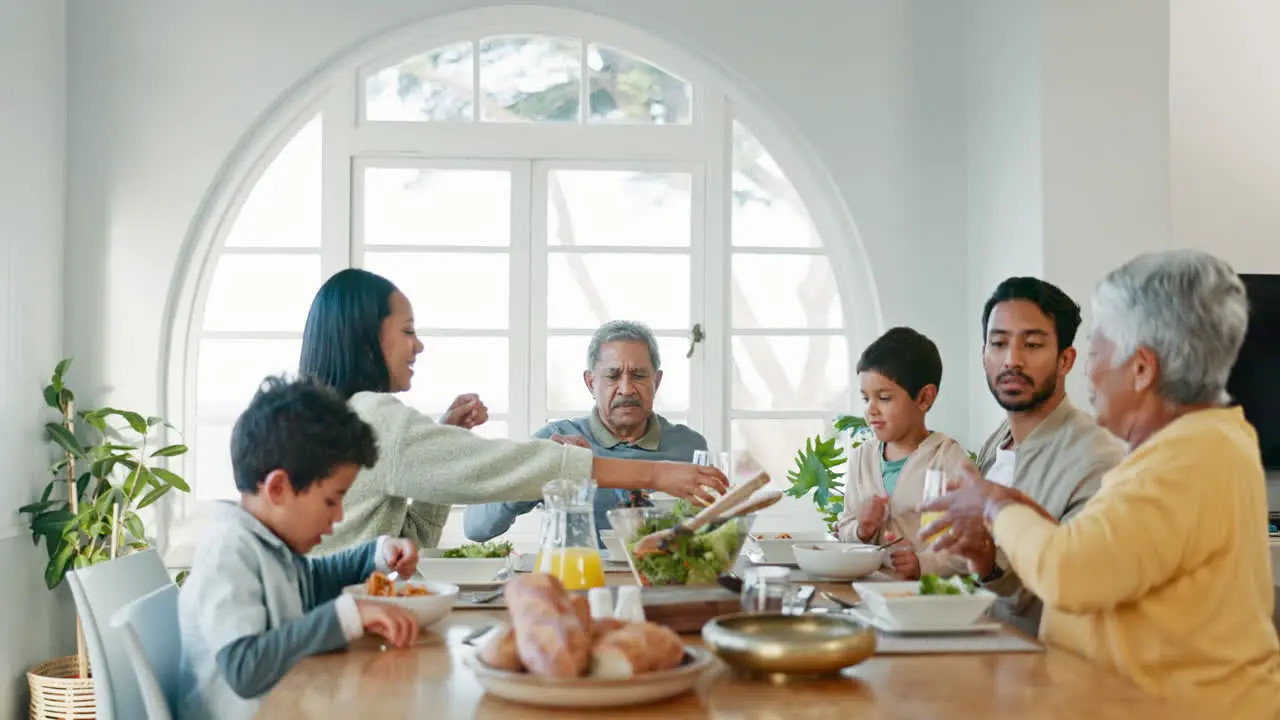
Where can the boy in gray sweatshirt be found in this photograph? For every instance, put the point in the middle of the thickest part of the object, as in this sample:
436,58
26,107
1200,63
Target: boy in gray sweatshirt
254,604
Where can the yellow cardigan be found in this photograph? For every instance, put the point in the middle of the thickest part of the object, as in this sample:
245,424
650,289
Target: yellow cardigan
1165,576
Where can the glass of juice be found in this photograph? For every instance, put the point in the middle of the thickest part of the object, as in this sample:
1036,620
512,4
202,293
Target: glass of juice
935,486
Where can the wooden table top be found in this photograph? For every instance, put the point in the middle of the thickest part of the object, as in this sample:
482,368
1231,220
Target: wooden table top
430,680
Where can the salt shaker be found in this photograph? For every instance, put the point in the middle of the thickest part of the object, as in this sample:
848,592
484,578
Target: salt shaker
629,608
600,600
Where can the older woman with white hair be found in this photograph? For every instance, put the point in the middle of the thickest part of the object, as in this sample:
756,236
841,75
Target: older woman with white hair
1164,576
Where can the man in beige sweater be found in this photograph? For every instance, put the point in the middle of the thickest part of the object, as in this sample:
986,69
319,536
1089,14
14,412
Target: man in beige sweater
1046,447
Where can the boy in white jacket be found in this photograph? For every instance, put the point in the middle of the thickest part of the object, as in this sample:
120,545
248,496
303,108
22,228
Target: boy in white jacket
900,373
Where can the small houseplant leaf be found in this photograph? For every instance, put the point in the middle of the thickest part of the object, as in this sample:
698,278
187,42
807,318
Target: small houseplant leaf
65,439
153,496
172,478
170,451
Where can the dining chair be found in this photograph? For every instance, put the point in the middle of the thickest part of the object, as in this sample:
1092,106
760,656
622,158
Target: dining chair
100,591
149,629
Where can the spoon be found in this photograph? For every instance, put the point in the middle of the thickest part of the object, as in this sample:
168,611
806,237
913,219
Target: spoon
891,543
655,542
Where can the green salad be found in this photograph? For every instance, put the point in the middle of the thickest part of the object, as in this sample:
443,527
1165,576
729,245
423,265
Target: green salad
480,550
956,585
696,559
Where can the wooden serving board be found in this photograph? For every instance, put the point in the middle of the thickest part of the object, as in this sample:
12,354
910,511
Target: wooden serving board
686,609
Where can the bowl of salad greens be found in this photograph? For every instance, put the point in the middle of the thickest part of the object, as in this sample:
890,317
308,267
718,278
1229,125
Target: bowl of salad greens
697,559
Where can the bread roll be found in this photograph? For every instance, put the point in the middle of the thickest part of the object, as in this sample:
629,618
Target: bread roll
582,608
550,638
499,651
634,649
600,628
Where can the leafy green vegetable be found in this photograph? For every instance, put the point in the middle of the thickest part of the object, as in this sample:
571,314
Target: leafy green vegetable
959,585
480,550
696,559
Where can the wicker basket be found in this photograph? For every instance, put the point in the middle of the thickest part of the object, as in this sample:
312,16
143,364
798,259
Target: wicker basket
57,693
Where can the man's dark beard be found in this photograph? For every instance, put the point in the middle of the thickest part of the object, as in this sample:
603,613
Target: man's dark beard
1039,396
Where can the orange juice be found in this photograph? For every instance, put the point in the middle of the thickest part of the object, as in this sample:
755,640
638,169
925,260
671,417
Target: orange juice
925,519
577,568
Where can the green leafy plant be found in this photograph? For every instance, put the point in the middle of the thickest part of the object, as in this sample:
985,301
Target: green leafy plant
105,474
818,468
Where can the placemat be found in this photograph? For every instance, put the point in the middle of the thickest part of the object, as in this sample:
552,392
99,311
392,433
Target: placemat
992,642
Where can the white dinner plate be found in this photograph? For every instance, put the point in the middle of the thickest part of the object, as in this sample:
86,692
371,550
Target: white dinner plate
888,626
591,692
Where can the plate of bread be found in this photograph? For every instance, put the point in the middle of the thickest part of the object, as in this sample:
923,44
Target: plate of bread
553,653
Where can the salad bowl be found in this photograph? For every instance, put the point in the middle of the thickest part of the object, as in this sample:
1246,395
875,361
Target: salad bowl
697,559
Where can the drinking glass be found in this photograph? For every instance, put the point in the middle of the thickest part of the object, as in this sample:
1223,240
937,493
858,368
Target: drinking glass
720,461
767,589
935,486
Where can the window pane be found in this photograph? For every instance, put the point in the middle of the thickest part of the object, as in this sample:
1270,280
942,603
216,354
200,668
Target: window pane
418,206
451,366
262,292
567,358
619,207
449,290
211,458
771,445
626,89
784,292
230,371
767,210
434,86
790,373
585,290
283,208
493,429
530,78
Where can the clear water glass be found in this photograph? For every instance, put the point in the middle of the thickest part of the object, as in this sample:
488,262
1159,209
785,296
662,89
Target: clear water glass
767,589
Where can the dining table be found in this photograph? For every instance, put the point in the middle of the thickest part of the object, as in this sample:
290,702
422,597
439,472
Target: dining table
431,680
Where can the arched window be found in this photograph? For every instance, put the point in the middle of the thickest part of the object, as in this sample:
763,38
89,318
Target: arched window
522,188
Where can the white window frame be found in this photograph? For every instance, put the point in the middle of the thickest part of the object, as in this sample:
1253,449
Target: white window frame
336,89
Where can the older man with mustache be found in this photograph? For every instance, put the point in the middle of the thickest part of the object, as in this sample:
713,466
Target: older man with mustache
1046,448
624,370
1164,576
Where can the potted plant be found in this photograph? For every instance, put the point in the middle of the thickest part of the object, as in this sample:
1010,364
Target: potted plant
105,473
817,467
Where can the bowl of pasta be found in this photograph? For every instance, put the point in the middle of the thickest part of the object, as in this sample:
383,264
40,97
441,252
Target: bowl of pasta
429,601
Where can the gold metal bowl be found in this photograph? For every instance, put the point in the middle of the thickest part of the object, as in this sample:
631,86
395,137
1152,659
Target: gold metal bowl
809,644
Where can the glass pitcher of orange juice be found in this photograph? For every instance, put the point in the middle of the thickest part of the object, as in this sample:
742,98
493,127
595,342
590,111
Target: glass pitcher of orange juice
569,542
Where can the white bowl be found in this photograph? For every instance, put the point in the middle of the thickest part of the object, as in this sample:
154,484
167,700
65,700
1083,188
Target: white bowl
617,552
590,692
843,561
465,572
901,604
428,609
776,548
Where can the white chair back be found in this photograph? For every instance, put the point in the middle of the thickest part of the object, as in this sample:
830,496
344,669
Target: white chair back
99,591
149,629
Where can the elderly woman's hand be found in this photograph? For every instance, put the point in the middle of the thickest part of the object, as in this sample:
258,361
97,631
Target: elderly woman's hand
962,529
467,411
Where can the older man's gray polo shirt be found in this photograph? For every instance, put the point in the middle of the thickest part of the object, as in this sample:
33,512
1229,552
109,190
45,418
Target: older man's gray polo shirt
662,440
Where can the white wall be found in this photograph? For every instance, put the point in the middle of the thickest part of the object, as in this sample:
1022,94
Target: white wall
1224,96
1105,143
1004,177
1068,139
33,622
161,92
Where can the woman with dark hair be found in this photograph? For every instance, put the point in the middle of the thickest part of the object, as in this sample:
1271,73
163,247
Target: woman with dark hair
360,340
